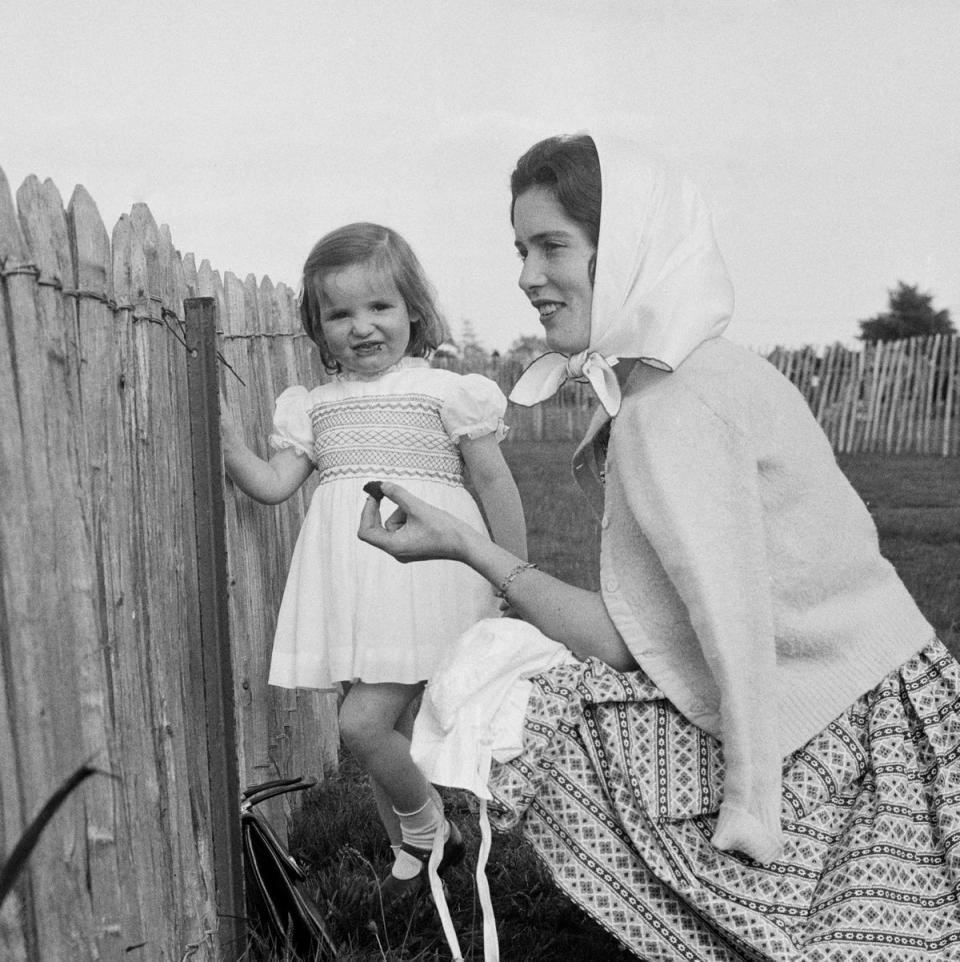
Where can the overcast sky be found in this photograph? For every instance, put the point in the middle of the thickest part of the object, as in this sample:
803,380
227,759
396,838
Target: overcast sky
824,133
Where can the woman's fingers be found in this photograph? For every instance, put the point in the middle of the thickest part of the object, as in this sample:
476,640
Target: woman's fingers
416,531
384,535
370,516
396,520
399,495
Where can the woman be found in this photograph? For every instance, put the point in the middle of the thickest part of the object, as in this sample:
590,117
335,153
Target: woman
756,753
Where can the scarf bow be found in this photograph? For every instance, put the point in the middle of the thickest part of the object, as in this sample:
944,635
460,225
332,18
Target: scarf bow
544,377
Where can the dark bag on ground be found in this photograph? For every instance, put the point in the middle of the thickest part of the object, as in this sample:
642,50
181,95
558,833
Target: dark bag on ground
279,909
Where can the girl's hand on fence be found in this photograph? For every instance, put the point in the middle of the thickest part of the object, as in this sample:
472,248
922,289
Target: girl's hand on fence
231,433
416,531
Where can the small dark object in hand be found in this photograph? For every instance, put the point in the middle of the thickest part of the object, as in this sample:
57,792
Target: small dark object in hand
374,489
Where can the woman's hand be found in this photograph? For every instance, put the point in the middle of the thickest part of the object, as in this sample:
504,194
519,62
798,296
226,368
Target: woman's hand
416,531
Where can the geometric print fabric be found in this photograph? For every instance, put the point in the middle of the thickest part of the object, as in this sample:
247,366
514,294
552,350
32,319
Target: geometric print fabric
619,794
401,435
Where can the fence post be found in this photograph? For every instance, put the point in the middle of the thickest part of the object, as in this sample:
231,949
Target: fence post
200,314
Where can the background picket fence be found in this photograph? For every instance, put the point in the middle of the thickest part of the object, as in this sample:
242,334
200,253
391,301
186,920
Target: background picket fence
894,398
102,652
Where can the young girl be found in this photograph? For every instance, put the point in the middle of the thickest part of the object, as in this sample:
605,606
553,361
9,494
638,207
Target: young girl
350,613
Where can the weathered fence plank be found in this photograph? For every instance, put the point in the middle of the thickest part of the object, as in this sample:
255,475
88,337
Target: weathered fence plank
16,804
53,667
103,461
951,443
927,407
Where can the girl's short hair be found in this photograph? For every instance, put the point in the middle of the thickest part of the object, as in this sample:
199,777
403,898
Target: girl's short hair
381,249
569,167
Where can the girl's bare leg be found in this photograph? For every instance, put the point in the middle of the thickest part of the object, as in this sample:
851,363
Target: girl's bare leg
369,717
390,819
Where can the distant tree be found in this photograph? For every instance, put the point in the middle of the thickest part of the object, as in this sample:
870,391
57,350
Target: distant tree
472,351
524,349
911,314
448,348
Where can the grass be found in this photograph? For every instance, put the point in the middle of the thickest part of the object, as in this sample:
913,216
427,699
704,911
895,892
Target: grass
916,504
339,840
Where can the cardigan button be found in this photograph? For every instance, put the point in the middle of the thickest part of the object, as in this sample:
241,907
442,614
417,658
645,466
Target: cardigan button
605,521
612,584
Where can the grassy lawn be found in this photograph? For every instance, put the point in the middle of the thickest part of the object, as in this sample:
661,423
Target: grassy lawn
915,502
916,505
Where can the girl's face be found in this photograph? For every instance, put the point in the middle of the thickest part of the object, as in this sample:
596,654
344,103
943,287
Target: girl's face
363,318
556,253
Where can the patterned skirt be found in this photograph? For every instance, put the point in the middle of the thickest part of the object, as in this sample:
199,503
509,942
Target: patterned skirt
618,793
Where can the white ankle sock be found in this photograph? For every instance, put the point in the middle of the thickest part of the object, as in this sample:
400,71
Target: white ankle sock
418,829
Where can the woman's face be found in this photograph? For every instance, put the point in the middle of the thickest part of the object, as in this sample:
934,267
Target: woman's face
556,253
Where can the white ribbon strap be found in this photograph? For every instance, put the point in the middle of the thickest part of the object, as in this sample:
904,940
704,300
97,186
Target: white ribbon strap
436,890
491,943
544,377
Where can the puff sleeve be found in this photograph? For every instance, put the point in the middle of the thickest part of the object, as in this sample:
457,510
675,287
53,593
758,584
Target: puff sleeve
292,427
474,407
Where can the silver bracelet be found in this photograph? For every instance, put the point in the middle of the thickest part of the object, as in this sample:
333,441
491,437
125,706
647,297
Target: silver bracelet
516,572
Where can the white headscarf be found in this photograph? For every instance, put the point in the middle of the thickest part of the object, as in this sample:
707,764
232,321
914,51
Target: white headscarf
661,287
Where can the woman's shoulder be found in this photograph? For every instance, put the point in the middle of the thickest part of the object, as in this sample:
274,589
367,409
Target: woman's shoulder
720,383
713,381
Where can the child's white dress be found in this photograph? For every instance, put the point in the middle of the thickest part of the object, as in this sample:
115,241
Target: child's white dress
349,610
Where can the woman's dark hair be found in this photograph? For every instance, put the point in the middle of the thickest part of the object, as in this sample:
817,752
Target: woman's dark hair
381,249
569,167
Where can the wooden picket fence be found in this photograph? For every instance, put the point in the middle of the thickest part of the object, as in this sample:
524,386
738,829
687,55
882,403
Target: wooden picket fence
894,398
897,397
102,653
